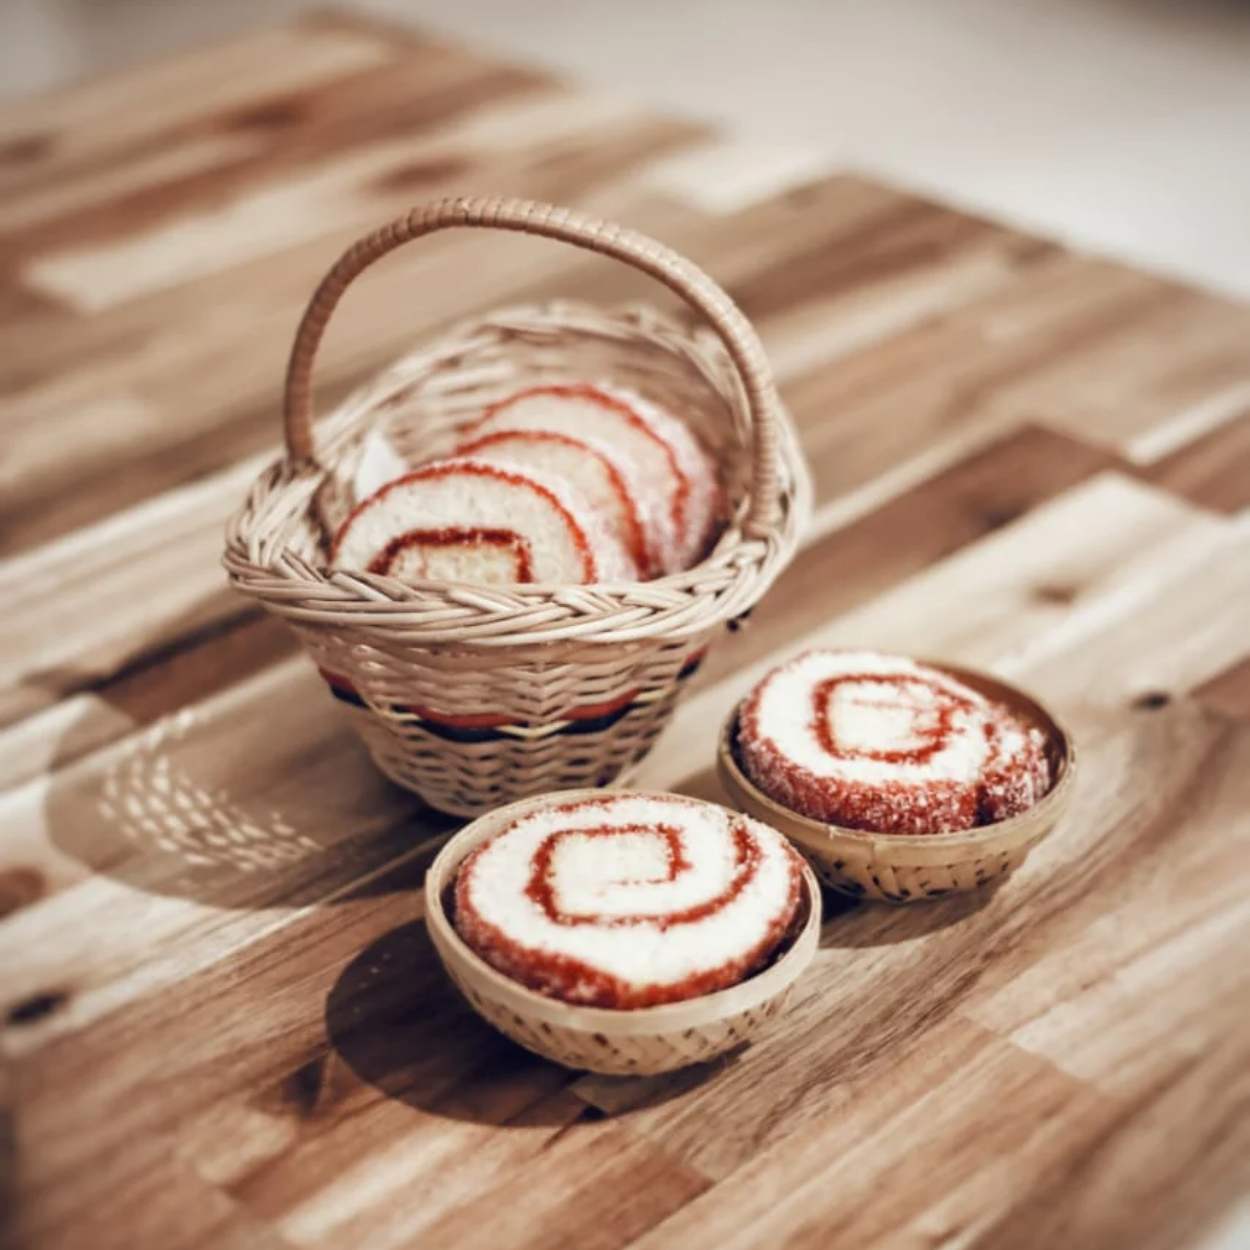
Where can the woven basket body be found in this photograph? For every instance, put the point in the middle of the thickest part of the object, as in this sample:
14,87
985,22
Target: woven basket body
473,696
905,868
597,1039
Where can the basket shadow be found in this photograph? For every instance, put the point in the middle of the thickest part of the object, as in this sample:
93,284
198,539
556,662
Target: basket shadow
705,785
396,1020
259,797
852,923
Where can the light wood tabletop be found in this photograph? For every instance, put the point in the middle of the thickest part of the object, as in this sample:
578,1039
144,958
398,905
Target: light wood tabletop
222,1021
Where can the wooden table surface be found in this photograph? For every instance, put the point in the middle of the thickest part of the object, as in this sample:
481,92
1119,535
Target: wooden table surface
221,1019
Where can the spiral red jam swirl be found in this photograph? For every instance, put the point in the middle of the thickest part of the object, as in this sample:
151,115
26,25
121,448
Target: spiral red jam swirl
416,542
881,743
628,900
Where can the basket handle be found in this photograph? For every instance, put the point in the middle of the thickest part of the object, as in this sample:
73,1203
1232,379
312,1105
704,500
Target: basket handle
662,263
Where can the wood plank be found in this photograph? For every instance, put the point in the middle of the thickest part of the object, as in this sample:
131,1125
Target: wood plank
964,1140
1144,378
1159,1174
938,383
848,565
897,1159
158,684
141,1197
386,1169
1214,468
214,1042
348,192
227,151
594,1190
1228,691
1179,594
123,590
46,136
208,415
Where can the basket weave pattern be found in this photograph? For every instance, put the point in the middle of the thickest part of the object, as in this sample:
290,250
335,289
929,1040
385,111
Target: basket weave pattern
546,663
859,873
614,1055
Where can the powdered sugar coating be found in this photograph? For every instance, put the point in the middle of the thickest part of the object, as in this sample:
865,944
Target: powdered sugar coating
877,742
1017,773
628,900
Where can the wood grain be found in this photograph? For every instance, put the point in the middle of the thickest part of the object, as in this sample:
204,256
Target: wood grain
221,1021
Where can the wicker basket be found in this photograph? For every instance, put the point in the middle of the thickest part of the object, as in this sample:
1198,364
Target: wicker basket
469,695
904,868
597,1039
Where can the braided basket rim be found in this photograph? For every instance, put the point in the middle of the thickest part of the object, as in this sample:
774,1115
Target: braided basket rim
726,583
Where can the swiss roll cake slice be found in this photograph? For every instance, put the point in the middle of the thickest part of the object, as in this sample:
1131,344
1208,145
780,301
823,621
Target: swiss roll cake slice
470,520
680,498
879,742
628,900
605,480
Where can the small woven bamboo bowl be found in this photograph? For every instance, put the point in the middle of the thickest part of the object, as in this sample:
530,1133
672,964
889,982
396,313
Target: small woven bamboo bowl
640,1042
905,868
469,695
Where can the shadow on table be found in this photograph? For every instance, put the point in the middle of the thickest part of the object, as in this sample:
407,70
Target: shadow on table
257,796
853,923
400,1025
397,1021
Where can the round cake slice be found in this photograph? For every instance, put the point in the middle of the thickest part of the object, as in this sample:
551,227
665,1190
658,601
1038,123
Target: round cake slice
681,498
605,481
881,743
629,900
469,520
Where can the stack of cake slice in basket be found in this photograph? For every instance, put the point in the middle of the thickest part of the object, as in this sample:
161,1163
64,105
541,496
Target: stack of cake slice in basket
573,483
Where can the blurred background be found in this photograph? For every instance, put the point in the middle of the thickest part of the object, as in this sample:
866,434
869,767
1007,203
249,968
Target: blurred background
1117,125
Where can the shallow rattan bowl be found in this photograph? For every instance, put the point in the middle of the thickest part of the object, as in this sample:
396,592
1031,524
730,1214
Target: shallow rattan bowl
902,868
643,1041
472,695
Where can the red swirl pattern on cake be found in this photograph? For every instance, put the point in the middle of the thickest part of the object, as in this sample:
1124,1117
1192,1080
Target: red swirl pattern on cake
933,731
627,412
485,522
507,445
881,743
540,889
672,475
628,900
420,540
